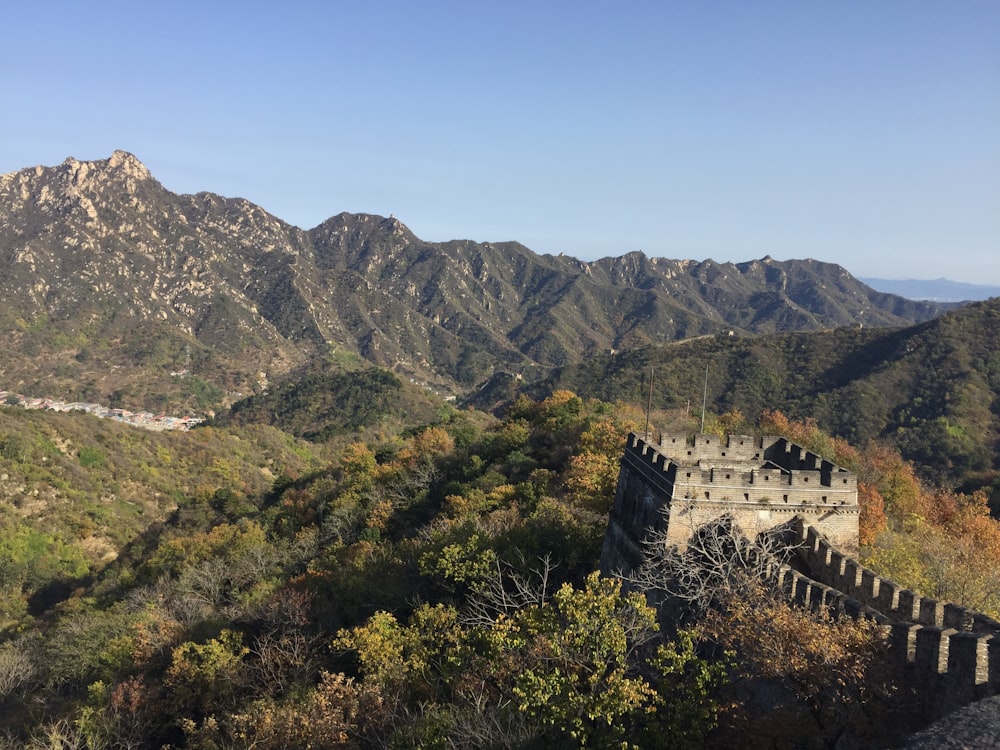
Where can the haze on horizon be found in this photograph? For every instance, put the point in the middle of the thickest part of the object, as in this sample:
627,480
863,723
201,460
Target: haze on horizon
864,134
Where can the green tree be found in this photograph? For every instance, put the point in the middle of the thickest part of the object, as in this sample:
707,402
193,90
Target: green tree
205,677
569,662
579,669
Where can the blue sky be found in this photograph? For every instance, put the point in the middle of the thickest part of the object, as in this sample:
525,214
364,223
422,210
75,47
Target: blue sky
865,133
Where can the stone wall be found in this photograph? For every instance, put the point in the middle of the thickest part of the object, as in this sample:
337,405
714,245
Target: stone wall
832,567
684,448
642,502
679,485
950,654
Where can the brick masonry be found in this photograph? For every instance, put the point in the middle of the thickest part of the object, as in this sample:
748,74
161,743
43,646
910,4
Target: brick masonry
950,655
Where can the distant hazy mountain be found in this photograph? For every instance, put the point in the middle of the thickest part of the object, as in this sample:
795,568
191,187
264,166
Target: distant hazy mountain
938,290
113,288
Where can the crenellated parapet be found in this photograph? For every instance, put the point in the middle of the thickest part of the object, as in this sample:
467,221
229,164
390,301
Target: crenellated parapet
679,483
806,592
950,654
671,487
830,566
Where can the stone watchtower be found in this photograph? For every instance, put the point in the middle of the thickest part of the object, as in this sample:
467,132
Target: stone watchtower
683,482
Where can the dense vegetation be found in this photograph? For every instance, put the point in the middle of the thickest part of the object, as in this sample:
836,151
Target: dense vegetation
432,587
931,391
76,492
322,404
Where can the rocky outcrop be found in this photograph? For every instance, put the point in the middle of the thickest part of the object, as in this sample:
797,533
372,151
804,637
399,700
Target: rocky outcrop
97,256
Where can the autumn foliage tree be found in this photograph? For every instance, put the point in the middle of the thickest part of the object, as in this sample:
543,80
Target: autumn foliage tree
331,716
938,542
829,677
592,472
577,669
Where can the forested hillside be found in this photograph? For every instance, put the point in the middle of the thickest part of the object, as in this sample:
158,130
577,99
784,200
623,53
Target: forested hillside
932,391
319,405
434,586
77,492
115,289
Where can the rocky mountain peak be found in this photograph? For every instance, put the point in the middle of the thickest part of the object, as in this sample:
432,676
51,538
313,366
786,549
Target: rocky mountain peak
128,165
120,168
106,259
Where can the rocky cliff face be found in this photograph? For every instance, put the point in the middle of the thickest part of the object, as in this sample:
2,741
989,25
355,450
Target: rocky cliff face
109,283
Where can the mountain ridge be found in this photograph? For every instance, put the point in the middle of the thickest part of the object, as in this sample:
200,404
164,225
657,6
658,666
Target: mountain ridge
111,282
931,389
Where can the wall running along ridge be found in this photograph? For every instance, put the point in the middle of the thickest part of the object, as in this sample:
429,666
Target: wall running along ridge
950,655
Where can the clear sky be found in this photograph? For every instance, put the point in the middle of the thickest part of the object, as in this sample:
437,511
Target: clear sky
860,132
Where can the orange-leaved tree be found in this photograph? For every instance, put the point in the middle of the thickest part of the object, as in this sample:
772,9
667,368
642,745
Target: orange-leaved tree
825,676
592,472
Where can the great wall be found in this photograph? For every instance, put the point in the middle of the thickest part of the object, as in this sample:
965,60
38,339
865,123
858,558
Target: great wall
949,655
680,483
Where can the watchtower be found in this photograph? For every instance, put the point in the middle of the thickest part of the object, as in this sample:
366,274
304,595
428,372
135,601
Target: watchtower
682,482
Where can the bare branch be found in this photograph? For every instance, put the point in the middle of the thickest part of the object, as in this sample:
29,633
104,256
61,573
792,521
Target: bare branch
17,668
507,591
719,561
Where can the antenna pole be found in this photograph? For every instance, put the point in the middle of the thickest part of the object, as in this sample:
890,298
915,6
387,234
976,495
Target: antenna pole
649,402
704,401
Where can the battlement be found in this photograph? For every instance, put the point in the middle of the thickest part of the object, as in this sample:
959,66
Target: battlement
682,482
950,654
686,449
772,456
832,567
947,667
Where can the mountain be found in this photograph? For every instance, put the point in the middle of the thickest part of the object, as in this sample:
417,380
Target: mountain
939,290
115,289
933,389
